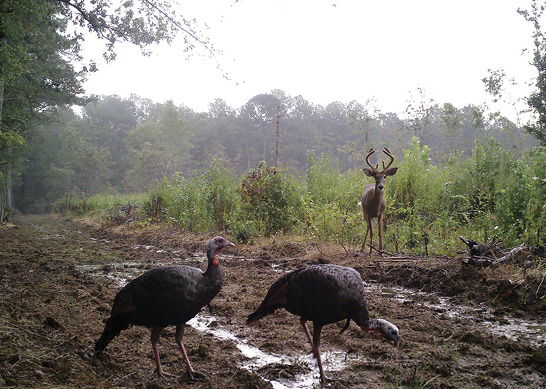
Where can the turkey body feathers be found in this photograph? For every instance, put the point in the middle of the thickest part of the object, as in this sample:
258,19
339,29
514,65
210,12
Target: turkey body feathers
164,296
322,294
167,295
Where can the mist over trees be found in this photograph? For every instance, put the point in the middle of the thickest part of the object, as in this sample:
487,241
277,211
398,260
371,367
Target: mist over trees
126,145
119,145
42,70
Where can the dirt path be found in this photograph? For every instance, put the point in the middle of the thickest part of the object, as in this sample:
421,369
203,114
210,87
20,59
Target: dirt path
58,279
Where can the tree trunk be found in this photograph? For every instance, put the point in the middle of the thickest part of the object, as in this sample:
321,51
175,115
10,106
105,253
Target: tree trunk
8,184
6,187
248,156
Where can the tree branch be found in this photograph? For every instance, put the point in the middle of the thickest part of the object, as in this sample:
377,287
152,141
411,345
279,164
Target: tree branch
179,26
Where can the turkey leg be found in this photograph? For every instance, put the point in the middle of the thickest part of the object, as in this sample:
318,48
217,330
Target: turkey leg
315,343
156,332
178,337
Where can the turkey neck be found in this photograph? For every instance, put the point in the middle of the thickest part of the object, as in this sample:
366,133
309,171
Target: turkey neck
213,269
373,325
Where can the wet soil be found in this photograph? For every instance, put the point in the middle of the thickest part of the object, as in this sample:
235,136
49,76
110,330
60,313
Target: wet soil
58,279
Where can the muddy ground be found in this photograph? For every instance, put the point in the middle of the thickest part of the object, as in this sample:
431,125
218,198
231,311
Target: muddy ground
58,281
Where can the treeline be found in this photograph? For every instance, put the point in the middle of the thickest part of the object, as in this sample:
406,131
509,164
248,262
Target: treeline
116,145
493,195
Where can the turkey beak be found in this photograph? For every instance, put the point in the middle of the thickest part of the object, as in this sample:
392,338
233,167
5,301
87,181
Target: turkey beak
228,243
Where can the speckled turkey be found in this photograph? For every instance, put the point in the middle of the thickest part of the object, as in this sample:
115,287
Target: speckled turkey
323,294
168,295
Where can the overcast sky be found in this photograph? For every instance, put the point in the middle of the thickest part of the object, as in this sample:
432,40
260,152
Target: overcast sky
332,51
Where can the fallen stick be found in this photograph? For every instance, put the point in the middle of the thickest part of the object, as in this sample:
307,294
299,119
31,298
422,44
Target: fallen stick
513,252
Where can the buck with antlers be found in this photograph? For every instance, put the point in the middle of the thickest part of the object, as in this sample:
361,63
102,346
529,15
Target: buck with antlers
373,200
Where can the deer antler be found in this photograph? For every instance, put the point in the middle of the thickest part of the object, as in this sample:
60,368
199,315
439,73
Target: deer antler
370,152
391,157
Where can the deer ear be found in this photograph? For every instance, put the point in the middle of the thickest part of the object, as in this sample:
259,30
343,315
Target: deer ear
391,172
369,172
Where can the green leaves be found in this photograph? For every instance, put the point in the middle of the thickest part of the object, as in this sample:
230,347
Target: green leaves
270,198
537,99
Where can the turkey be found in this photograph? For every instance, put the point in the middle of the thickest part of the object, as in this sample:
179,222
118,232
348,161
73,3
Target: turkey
323,294
167,295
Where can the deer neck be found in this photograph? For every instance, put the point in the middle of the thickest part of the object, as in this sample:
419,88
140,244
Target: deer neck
378,196
373,200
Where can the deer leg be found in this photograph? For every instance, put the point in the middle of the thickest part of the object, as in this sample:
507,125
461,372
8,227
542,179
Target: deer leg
369,230
370,227
365,237
380,232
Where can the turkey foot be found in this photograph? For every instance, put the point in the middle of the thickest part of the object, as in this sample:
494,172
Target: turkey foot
162,374
196,375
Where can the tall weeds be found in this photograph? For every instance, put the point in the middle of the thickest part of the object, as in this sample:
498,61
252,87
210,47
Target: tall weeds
495,192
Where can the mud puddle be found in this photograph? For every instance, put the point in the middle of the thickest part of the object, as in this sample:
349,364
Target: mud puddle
333,360
256,359
264,363
513,328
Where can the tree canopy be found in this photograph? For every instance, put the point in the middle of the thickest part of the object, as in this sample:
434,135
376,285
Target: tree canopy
125,145
129,145
40,47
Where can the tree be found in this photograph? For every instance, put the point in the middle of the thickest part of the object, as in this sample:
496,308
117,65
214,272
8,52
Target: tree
35,76
108,120
367,119
421,115
451,120
39,42
159,147
261,111
537,99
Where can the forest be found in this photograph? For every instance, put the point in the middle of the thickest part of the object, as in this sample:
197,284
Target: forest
129,145
62,149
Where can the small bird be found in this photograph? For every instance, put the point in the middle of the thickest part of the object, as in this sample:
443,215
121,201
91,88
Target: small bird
323,294
164,296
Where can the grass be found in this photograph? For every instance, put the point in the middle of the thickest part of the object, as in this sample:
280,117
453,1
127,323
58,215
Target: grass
428,207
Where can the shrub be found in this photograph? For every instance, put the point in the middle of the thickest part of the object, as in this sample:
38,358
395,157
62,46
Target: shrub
271,199
221,194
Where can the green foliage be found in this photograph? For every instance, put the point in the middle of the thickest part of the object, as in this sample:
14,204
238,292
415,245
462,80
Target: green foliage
428,207
222,198
201,204
535,215
271,198
409,188
181,202
40,48
331,201
323,178
101,205
537,99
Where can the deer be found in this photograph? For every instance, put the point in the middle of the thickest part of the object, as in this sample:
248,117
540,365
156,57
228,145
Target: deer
373,200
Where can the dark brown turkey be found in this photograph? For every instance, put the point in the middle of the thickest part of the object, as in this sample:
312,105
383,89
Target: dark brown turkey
323,294
168,295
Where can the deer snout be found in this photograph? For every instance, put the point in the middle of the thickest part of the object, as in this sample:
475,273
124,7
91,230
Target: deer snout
380,186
